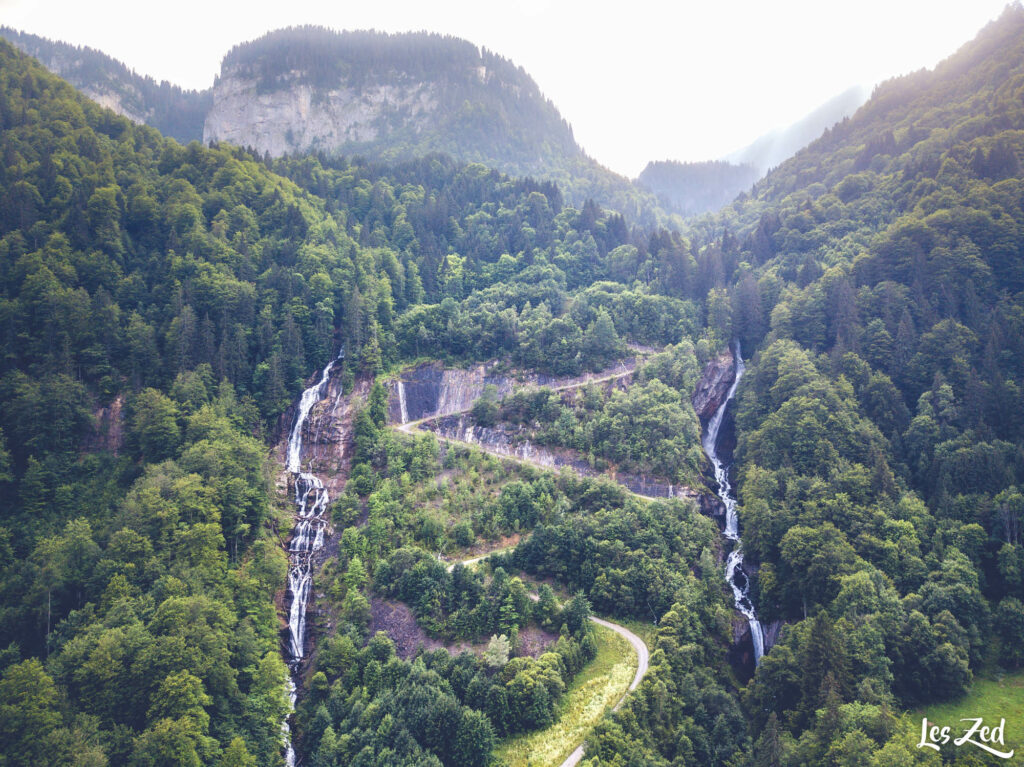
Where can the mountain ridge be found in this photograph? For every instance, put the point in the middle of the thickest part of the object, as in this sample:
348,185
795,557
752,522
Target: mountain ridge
174,111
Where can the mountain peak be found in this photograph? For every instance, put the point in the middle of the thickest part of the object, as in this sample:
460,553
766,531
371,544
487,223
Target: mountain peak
390,95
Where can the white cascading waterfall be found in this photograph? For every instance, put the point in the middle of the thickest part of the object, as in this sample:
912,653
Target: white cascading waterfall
402,407
734,573
311,501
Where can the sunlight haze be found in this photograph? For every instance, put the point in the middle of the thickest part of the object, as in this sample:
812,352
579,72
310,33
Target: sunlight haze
639,81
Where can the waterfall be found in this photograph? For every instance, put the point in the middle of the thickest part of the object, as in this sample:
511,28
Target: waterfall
311,501
733,570
402,407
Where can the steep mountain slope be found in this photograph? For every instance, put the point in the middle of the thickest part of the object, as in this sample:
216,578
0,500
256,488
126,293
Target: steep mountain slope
172,111
399,96
693,188
162,307
879,275
774,147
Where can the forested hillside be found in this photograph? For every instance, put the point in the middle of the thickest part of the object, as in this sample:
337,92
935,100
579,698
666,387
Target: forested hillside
881,451
173,111
163,306
777,146
693,188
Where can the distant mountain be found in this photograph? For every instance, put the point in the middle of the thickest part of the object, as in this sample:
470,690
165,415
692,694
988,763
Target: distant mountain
390,96
398,96
384,97
173,111
773,147
692,188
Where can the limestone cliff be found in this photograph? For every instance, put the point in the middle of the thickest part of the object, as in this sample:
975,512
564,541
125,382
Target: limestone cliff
385,96
302,117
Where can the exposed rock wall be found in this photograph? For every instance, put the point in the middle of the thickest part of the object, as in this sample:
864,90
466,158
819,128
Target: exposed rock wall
300,117
115,102
714,385
327,436
741,652
108,427
432,390
772,632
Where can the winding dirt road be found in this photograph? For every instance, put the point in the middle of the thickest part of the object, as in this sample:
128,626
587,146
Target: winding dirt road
643,659
624,370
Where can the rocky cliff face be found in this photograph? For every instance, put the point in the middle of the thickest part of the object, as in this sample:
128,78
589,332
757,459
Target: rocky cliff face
433,390
301,117
713,385
124,105
327,436
385,96
108,427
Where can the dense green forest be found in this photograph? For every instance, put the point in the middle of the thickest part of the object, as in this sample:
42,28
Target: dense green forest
191,291
646,428
880,444
163,305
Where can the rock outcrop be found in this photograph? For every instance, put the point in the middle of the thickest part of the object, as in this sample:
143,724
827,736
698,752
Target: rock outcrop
108,427
302,118
430,389
387,97
741,652
433,390
714,385
327,435
772,633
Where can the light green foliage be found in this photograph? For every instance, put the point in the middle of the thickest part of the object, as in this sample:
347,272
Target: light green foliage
496,655
646,428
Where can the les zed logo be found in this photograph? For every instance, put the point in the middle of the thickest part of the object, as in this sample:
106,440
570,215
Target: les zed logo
976,735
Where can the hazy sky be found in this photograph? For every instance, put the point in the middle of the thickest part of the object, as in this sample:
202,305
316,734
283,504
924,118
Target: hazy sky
637,80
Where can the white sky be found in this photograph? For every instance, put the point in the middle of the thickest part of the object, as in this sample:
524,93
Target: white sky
638,80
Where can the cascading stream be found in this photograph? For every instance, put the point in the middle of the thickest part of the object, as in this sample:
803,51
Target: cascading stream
734,573
403,408
311,500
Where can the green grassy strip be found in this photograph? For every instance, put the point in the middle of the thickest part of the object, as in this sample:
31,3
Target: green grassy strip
992,698
596,689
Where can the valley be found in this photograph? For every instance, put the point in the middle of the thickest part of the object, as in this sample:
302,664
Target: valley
415,438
